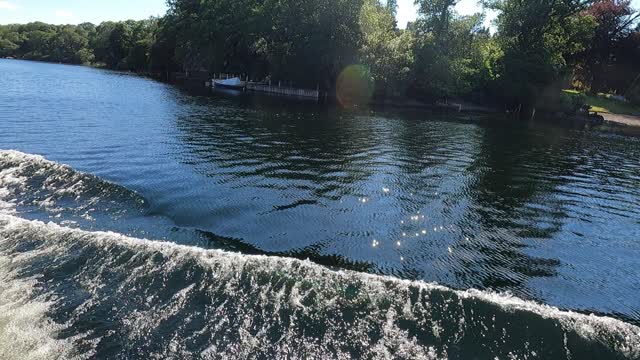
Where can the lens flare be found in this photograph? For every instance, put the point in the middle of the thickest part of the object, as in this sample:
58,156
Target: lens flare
354,86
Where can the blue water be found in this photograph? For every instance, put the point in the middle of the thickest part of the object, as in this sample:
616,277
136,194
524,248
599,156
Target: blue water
505,217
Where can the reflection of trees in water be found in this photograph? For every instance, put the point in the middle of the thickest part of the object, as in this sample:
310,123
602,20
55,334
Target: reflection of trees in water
429,155
312,151
498,184
515,176
324,153
318,158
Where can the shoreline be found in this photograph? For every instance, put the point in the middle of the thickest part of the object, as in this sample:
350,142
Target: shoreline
622,119
618,121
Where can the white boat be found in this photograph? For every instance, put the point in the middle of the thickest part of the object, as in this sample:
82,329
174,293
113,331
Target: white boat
233,83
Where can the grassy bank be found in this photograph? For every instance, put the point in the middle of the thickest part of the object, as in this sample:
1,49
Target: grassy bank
603,103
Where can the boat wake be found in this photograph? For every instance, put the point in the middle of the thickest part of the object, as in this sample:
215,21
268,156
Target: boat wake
72,293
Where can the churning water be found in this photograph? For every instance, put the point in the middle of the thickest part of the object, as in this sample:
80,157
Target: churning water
292,231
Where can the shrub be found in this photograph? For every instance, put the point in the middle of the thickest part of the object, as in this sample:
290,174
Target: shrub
562,102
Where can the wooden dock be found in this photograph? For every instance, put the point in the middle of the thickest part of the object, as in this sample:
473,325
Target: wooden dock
271,89
284,91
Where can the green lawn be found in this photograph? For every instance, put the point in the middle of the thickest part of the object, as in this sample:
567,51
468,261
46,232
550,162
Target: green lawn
602,103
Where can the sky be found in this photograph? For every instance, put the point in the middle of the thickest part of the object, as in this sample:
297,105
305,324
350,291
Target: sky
78,11
97,11
407,11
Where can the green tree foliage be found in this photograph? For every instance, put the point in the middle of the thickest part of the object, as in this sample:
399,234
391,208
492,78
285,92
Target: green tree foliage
119,43
537,38
387,51
392,7
214,35
7,47
125,45
454,55
302,41
613,52
67,45
39,41
99,41
162,53
533,49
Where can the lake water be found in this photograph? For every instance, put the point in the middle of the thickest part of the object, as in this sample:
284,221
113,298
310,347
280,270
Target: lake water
138,220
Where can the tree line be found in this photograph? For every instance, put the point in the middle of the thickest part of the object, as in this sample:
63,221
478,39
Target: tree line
534,48
117,45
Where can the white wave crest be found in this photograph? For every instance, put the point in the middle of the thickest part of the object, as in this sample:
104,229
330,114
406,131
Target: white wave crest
228,268
26,333
258,290
18,167
34,182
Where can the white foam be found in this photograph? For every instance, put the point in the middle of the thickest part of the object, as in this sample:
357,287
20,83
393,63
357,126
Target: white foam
23,317
9,178
25,331
226,265
58,181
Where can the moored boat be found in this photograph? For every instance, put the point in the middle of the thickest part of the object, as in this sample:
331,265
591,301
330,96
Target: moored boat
233,83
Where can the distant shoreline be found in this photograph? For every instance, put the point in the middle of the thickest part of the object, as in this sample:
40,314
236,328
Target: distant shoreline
618,121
